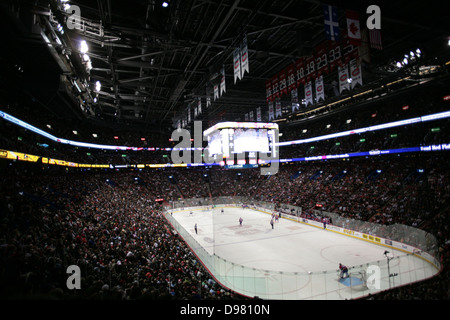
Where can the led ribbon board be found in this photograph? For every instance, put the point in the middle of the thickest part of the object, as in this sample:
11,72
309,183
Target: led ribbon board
228,125
432,117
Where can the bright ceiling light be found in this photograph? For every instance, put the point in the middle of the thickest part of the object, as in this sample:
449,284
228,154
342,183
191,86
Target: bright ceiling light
165,4
418,52
83,46
98,86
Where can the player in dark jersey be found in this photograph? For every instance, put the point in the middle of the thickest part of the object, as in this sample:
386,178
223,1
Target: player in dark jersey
344,271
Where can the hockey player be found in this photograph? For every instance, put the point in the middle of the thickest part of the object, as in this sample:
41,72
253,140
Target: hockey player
344,271
240,221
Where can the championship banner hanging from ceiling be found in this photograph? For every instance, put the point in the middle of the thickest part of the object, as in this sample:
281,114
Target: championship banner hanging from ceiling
355,73
258,114
271,114
308,94
277,108
343,78
294,100
237,64
216,92
320,94
222,81
244,57
340,52
208,96
199,105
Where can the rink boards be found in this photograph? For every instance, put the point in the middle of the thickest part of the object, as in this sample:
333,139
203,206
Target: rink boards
283,260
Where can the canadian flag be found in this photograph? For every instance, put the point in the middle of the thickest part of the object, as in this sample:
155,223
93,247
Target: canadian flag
353,27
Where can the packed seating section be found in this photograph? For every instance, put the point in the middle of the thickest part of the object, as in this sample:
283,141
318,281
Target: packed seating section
108,222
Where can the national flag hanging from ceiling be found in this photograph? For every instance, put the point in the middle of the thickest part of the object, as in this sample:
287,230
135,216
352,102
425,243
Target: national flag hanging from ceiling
331,22
353,27
375,39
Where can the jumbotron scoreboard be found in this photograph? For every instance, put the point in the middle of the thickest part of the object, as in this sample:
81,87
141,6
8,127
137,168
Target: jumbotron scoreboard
242,143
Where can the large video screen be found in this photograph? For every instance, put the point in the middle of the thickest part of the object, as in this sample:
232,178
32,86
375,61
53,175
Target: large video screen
250,140
215,143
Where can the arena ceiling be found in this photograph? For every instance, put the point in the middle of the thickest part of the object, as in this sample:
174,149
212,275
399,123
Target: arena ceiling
153,61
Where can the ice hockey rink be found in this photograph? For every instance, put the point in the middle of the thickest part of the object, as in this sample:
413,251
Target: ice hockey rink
290,260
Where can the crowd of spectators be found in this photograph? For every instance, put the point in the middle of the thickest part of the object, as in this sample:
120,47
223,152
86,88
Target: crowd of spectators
108,222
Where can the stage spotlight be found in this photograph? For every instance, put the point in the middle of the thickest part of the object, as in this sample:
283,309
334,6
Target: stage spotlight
165,4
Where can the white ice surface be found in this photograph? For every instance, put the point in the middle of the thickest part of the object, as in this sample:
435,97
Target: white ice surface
288,248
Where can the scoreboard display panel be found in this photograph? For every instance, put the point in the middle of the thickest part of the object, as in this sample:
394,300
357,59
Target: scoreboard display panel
243,140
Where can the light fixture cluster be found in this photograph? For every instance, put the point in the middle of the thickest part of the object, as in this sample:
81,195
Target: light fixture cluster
407,59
